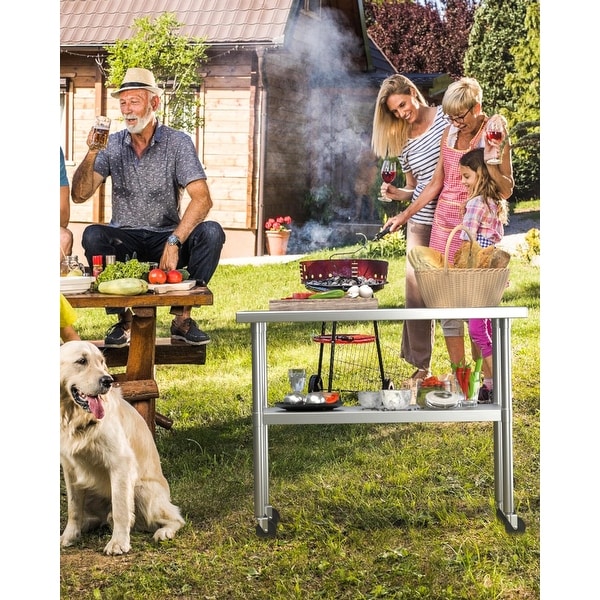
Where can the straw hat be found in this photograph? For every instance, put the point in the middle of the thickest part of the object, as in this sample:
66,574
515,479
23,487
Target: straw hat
138,79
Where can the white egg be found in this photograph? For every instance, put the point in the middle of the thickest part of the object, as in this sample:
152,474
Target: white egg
365,291
353,291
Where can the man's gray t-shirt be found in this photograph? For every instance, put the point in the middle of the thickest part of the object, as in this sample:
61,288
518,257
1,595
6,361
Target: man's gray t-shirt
146,192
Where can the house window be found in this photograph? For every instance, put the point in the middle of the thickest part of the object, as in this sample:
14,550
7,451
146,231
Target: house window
66,117
190,109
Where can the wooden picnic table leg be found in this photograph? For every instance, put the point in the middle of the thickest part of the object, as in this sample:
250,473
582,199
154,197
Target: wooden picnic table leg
140,361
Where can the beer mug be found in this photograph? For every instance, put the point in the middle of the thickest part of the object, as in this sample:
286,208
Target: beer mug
100,131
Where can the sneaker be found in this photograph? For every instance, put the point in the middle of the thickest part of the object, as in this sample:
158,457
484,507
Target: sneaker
189,333
486,396
117,336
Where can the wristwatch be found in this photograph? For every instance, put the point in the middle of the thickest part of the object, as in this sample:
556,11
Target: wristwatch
173,240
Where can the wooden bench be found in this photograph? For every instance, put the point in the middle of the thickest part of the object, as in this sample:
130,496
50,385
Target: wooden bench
166,352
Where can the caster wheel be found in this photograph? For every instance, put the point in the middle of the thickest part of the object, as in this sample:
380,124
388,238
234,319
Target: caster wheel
315,383
271,530
507,526
520,527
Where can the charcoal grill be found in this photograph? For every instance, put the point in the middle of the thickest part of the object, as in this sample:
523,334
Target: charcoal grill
342,274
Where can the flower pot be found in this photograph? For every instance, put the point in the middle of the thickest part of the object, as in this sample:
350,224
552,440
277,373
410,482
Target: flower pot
277,242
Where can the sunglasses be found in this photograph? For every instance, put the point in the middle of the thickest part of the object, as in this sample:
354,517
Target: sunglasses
458,120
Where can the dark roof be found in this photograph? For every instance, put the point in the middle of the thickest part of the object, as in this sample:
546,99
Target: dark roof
92,23
240,24
381,65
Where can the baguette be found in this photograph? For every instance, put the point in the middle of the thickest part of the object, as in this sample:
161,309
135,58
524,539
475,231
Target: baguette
423,258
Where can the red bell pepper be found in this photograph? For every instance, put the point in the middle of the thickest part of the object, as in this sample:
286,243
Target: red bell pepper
463,376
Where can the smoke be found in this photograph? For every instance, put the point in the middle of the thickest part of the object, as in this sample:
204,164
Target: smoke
338,114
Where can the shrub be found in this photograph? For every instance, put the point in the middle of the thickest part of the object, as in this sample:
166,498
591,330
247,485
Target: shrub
392,245
531,248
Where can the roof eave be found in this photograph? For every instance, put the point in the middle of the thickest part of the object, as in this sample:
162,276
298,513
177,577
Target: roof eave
239,46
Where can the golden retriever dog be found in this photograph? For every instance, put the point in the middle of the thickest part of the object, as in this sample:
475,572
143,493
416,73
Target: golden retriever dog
109,460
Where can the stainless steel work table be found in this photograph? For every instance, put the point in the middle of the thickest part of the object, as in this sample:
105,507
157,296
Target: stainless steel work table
500,413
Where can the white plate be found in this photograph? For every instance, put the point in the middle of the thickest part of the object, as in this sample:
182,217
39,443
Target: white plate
76,285
442,399
161,288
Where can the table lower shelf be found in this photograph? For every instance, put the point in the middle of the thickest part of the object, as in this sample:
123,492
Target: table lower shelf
357,414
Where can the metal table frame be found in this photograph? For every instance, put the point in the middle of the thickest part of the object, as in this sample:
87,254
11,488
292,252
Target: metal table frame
500,413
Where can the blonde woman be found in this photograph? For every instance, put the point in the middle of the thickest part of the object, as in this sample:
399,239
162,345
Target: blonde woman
405,126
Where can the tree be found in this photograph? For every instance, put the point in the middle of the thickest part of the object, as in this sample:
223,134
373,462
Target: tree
174,59
497,27
525,114
419,37
524,81
504,57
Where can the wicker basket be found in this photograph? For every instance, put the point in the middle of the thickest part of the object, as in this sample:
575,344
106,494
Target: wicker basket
458,288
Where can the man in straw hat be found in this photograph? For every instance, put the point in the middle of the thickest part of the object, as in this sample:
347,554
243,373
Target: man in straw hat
150,165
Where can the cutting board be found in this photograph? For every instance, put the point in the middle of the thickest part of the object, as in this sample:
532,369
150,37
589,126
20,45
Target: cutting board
324,304
161,288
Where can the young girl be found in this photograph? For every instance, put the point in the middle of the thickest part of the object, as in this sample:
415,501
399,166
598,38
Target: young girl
486,213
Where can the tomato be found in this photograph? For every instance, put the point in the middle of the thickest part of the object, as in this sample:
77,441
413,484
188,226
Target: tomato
174,276
157,276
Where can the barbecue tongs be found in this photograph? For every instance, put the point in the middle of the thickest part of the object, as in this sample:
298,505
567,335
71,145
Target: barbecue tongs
382,233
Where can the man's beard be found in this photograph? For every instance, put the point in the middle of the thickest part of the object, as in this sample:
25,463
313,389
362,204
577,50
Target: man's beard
141,123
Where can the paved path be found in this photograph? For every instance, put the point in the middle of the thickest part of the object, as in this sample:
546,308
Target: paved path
518,226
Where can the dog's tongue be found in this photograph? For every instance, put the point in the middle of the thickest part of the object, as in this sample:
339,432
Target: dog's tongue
96,406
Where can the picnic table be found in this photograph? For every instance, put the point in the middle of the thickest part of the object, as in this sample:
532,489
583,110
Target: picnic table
138,382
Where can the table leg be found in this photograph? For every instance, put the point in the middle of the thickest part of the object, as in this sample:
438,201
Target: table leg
503,438
140,361
266,516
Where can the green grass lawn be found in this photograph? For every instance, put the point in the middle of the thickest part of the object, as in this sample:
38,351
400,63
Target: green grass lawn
367,511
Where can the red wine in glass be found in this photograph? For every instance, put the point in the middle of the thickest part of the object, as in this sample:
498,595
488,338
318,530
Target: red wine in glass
388,174
494,136
494,133
388,171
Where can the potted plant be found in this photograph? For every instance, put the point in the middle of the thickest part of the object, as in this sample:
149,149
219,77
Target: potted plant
278,230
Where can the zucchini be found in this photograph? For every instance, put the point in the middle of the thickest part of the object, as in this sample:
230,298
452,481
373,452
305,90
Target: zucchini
128,286
327,294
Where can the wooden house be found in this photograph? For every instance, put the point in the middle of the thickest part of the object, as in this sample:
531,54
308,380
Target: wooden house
287,98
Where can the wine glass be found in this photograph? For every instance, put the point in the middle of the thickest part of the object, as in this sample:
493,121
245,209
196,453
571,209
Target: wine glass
494,133
388,174
297,378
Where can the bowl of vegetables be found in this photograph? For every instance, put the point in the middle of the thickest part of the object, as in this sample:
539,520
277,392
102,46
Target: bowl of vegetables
429,384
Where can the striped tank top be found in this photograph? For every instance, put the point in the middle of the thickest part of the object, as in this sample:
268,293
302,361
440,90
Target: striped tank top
419,157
